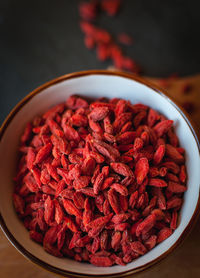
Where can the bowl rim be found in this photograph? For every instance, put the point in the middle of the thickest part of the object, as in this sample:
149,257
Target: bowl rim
155,88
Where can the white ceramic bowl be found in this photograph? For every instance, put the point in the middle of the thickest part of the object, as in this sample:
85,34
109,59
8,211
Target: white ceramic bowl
94,84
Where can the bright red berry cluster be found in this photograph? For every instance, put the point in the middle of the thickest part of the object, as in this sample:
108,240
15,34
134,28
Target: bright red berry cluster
100,182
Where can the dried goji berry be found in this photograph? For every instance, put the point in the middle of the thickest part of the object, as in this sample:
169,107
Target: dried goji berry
152,118
146,225
157,182
163,234
59,215
141,169
101,261
122,169
98,183
159,154
126,137
120,188
162,127
98,224
38,237
43,153
173,223
182,174
30,158
172,153
151,242
71,209
138,247
176,187
99,113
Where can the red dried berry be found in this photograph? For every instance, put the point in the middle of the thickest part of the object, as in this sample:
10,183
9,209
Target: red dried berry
164,234
159,154
157,182
162,127
113,200
101,261
138,247
141,169
99,113
122,169
43,153
71,209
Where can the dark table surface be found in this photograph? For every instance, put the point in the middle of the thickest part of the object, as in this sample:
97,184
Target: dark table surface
40,40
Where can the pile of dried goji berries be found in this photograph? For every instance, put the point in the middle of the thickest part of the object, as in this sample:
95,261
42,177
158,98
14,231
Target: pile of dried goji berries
100,182
107,48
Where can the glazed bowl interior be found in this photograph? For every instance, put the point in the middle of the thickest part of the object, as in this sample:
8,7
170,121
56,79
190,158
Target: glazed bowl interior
95,85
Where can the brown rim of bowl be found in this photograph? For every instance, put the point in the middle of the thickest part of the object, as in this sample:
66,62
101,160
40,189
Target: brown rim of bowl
189,122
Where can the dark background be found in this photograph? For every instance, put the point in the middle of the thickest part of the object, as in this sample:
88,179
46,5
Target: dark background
41,39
